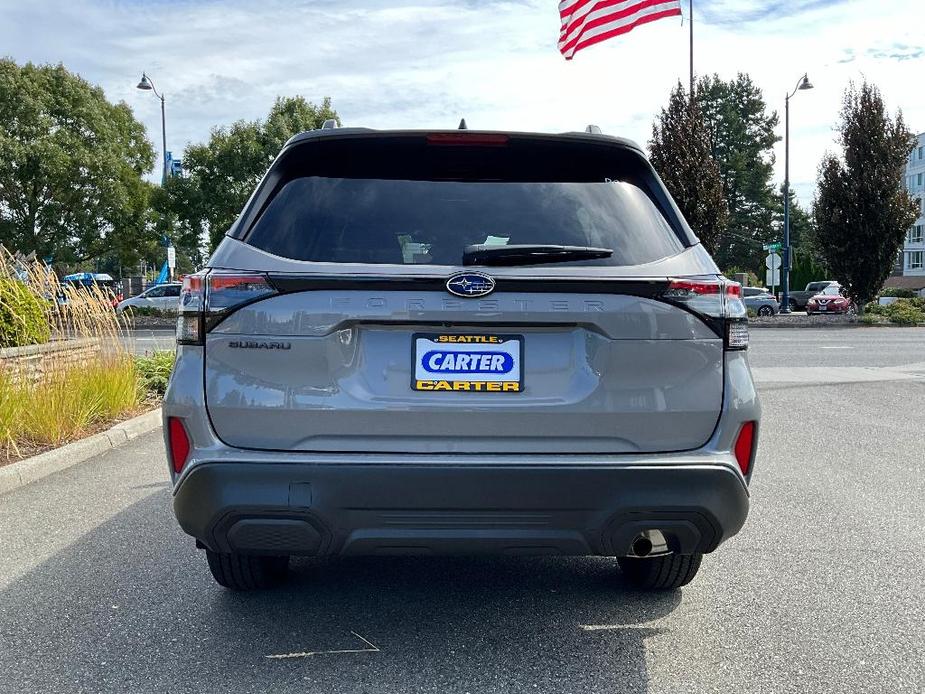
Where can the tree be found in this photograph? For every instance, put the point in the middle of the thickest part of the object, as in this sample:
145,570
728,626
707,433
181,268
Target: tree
862,210
71,166
220,175
681,152
743,138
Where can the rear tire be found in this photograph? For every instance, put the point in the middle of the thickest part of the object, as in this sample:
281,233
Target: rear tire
667,572
765,311
247,571
793,305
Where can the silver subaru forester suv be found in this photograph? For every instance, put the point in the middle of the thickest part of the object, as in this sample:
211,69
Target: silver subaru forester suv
460,342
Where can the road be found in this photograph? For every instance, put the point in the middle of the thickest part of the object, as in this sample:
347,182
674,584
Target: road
821,592
147,340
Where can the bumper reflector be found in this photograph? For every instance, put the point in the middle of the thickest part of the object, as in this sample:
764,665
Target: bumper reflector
179,443
744,445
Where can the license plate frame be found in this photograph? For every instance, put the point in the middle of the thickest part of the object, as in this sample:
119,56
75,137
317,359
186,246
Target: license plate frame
473,345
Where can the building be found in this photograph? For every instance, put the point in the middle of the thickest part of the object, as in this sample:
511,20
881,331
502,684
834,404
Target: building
913,255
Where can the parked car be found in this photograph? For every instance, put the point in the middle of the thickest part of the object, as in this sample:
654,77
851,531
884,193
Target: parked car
829,300
105,283
460,342
799,299
163,297
760,300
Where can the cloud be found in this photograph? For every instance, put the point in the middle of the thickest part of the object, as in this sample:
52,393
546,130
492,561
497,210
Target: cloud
739,12
427,63
897,51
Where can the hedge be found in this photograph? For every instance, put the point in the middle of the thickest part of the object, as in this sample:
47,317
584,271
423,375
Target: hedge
23,315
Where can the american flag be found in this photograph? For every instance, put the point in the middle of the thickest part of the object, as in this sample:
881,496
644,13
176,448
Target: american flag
586,22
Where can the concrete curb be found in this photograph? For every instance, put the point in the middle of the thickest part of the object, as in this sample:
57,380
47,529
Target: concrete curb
23,472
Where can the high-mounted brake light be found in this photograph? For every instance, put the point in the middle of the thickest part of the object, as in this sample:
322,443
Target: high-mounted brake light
179,443
206,297
745,443
719,300
464,138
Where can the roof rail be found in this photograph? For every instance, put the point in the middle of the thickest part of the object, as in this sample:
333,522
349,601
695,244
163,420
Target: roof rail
329,124
593,130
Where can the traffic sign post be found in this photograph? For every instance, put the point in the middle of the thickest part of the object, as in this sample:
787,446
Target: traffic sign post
772,262
171,260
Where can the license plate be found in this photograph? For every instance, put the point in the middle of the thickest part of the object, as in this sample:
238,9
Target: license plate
823,308
456,362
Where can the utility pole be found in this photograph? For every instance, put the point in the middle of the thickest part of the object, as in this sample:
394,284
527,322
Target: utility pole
802,84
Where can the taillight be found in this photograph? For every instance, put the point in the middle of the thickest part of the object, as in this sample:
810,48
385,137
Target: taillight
226,291
190,310
208,296
179,443
744,445
719,301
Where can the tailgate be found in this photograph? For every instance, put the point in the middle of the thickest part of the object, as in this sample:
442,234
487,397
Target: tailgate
334,370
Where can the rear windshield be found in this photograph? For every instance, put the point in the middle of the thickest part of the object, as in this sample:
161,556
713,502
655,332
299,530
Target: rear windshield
356,220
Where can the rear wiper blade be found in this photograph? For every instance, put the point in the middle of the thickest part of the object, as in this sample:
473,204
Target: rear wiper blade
529,254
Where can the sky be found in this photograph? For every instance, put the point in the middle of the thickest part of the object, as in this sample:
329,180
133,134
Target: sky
427,63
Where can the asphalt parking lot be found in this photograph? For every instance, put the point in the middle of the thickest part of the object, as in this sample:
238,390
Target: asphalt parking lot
821,592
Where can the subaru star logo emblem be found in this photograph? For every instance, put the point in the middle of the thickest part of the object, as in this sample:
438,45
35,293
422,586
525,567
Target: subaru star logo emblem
470,284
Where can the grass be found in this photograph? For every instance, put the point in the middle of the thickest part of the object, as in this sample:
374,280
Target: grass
69,401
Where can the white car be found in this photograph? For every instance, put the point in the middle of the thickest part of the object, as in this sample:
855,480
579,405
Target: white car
163,297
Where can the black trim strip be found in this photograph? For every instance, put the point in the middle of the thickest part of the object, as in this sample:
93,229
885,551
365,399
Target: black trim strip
301,283
645,288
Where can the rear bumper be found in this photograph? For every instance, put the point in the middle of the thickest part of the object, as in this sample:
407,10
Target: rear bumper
358,508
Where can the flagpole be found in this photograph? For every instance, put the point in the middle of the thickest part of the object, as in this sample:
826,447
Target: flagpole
690,21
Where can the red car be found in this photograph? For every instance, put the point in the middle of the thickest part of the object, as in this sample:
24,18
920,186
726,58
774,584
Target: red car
830,300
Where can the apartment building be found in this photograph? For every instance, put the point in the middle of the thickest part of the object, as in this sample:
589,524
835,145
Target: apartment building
913,254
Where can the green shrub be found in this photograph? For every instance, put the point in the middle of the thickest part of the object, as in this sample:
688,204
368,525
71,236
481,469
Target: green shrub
904,312
23,315
898,292
154,371
872,319
873,308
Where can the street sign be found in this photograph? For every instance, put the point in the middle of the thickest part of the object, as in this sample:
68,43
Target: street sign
171,257
772,262
772,278
773,247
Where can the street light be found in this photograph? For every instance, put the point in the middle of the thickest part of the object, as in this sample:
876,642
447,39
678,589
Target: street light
803,84
148,86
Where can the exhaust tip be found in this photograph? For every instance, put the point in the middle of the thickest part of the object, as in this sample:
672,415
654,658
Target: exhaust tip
649,543
642,546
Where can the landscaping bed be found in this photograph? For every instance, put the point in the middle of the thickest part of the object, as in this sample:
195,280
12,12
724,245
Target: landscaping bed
66,373
150,318
803,321
902,312
27,449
